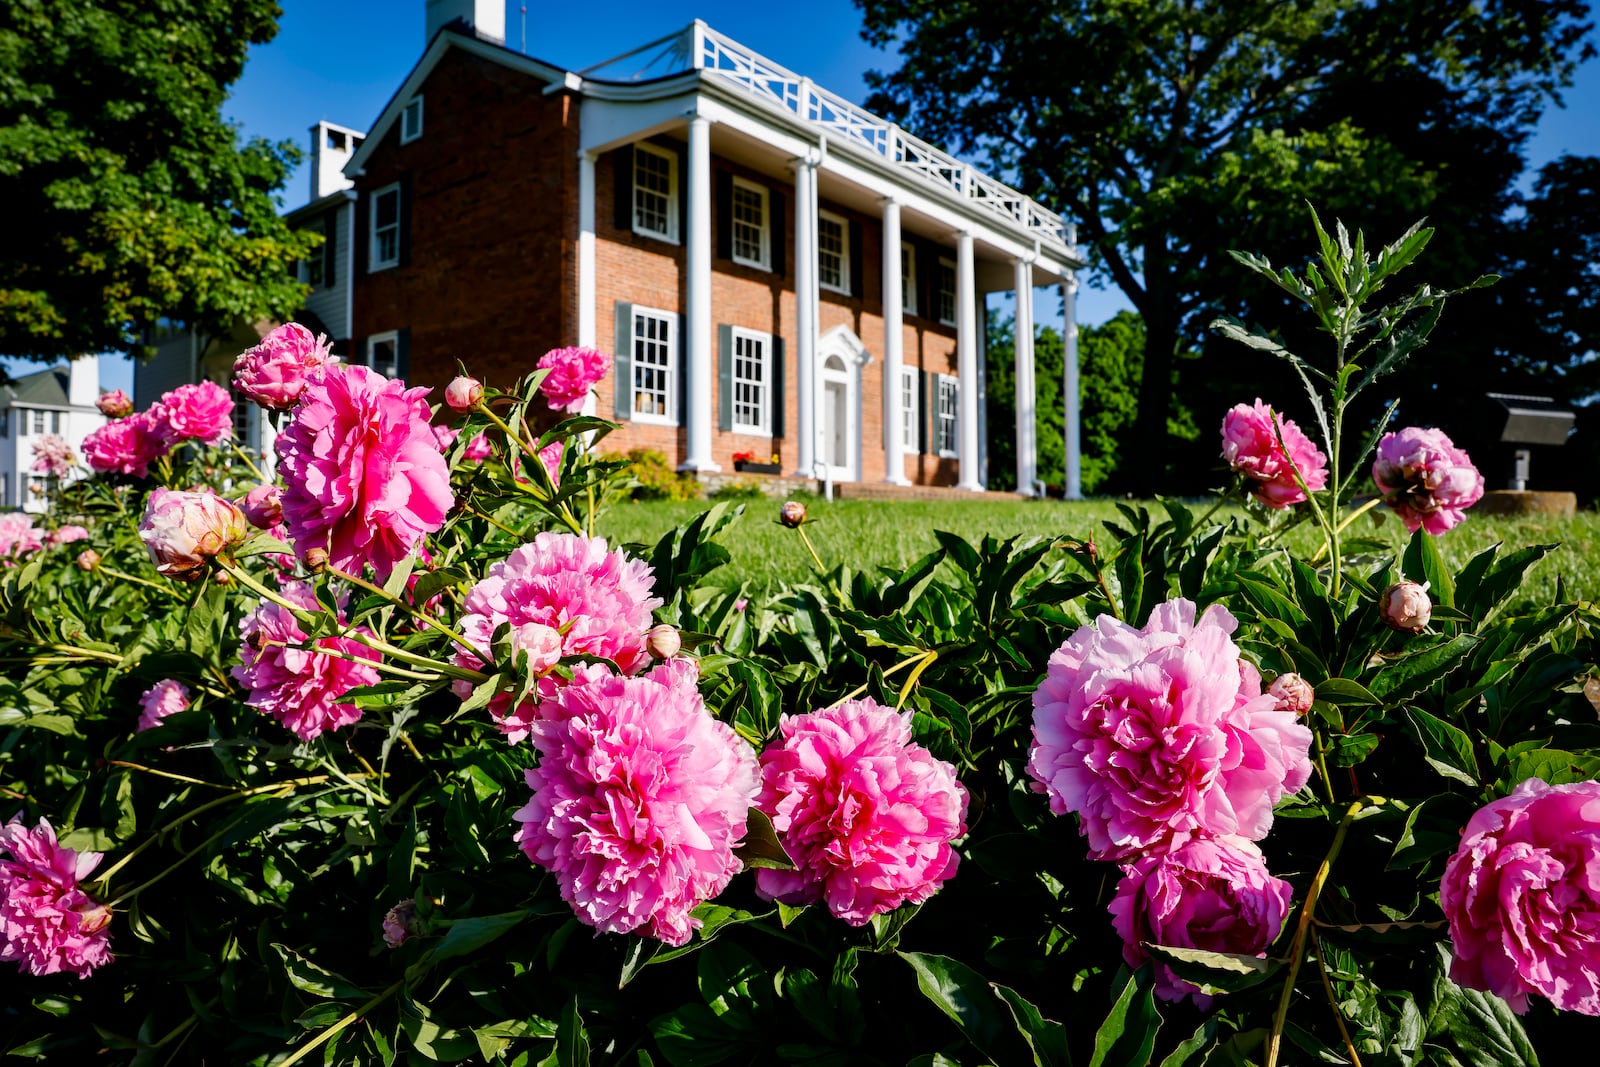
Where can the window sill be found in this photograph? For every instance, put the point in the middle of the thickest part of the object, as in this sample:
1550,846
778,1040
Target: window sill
653,420
669,239
751,263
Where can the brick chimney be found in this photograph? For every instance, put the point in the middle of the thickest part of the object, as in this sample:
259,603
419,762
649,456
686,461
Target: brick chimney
331,148
486,18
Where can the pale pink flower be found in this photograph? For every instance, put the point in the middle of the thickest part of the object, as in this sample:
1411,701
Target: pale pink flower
1522,894
1155,733
300,687
65,535
275,372
463,392
263,507
599,600
639,799
445,436
18,536
540,643
1208,893
48,924
478,449
1292,692
1405,605
200,412
363,475
88,560
52,455
183,531
664,641
1250,445
167,697
866,815
115,404
1426,479
573,372
125,446
399,923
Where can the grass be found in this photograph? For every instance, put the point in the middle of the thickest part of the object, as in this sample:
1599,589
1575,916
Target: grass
865,534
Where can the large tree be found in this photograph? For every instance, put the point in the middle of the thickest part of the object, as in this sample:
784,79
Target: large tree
1173,130
128,199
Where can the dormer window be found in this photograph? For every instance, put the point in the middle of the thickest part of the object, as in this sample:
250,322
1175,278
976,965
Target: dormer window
411,121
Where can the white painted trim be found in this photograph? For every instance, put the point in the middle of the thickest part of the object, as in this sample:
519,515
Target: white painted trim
374,263
967,365
1069,366
763,428
392,336
841,341
844,287
765,261
586,253
674,224
938,415
407,136
702,368
805,294
1026,397
894,420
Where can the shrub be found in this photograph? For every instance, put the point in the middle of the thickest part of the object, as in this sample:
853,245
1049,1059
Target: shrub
654,478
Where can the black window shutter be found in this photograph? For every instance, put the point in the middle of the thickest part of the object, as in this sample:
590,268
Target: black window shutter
724,215
776,392
724,377
927,282
330,247
683,193
405,219
925,416
777,225
858,283
362,206
402,353
622,375
622,187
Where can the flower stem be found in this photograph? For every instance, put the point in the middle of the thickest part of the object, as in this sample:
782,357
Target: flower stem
333,1031
164,590
248,462
415,613
1333,1002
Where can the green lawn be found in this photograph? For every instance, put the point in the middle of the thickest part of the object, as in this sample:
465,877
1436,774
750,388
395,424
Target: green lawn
877,533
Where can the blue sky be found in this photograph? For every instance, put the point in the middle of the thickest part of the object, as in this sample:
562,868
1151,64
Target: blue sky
342,59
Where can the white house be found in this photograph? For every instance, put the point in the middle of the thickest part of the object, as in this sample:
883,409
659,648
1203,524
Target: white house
59,400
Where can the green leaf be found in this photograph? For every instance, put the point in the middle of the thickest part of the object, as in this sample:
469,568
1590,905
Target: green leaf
1127,1038
1487,1032
310,978
1215,972
1423,563
1185,1052
1446,747
572,1043
1046,1038
1402,679
469,935
965,996
1552,765
1343,691
761,847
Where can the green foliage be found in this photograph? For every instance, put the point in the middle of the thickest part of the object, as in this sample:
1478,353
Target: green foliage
654,479
740,489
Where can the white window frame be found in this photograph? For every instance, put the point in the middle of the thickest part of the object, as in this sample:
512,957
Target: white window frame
908,407
670,234
942,418
939,292
376,262
669,371
408,131
38,422
763,426
844,253
393,338
908,279
764,239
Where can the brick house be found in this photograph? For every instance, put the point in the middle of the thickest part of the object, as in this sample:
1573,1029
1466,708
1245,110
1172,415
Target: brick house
776,270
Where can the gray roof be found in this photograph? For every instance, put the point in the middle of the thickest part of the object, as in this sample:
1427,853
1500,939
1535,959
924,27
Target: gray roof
45,388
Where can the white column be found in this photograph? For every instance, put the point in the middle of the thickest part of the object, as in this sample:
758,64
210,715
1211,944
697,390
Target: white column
701,376
1069,360
967,365
894,415
805,306
586,280
1027,445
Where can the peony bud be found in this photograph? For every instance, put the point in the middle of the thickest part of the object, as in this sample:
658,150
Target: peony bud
115,404
463,392
542,644
1292,692
263,506
185,530
792,514
400,923
316,560
663,641
88,559
1405,606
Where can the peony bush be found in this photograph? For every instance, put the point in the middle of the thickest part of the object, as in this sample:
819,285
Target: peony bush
376,750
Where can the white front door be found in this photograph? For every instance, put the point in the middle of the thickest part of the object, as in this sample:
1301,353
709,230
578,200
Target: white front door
838,423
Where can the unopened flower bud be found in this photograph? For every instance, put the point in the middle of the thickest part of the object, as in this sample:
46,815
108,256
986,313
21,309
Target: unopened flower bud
463,392
542,644
115,404
1091,550
263,506
792,514
1405,606
400,923
1292,692
223,578
88,559
663,641
316,560
184,531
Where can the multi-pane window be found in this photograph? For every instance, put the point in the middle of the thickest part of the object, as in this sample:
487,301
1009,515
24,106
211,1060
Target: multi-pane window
411,121
833,252
908,279
750,241
386,227
945,296
654,375
38,421
908,407
945,427
55,422
655,192
752,390
383,354
241,422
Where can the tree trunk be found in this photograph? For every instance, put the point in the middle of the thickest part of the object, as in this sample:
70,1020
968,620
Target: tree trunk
1143,472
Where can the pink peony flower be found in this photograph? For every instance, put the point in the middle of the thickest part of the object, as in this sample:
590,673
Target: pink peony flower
263,507
639,799
18,536
573,372
200,412
115,404
52,455
478,449
400,923
185,530
463,392
275,372
1208,893
1426,479
1293,693
866,815
598,600
166,697
65,535
1250,445
664,641
1522,894
126,446
300,687
48,924
550,456
363,475
1153,734
445,436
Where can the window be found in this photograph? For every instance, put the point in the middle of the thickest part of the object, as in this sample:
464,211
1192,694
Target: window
750,240
655,386
241,422
945,297
386,228
945,427
411,121
5,423
55,422
655,192
833,253
311,269
383,353
908,407
908,279
752,387
38,421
